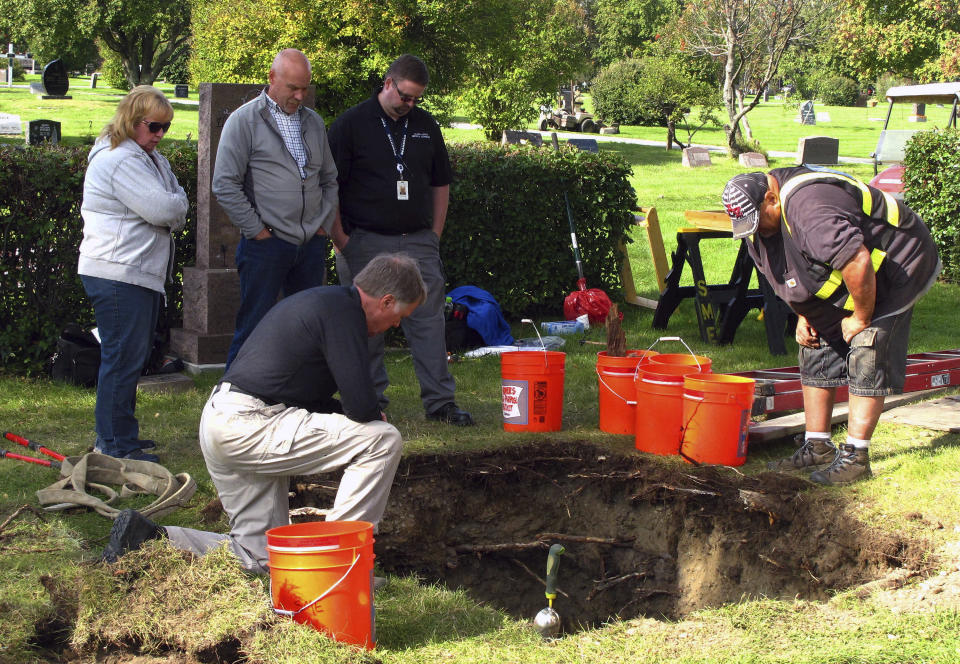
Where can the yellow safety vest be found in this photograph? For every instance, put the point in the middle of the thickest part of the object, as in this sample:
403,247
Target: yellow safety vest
830,282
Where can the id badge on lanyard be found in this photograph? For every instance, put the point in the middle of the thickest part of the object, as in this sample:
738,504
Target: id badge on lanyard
403,187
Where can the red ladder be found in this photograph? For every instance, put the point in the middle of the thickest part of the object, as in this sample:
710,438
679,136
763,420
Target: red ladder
779,390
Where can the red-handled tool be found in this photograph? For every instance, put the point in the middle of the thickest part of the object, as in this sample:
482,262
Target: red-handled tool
12,437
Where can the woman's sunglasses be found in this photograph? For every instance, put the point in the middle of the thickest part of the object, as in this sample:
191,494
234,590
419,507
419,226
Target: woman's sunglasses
155,127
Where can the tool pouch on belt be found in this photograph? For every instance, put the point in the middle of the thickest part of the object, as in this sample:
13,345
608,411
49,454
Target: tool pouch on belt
99,471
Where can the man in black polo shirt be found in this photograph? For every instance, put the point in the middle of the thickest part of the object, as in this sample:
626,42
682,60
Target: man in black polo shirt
274,414
394,186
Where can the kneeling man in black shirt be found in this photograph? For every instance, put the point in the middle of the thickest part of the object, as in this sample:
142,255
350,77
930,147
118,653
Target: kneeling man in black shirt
274,414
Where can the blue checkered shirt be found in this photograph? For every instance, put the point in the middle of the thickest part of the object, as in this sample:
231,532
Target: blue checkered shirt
289,126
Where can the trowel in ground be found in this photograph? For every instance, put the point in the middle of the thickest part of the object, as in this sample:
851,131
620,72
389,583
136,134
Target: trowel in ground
547,621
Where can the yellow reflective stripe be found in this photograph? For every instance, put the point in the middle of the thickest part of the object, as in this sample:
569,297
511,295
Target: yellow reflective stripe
831,285
876,257
893,210
848,305
866,200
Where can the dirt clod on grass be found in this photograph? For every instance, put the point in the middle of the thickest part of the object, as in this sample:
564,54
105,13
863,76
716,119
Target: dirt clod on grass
642,537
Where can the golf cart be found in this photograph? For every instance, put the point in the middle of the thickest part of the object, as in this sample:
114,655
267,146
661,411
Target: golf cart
892,142
569,117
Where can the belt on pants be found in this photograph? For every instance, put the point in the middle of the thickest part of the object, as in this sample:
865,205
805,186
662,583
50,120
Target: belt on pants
226,386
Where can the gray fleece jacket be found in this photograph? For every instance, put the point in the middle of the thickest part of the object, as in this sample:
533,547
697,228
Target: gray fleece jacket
131,203
257,182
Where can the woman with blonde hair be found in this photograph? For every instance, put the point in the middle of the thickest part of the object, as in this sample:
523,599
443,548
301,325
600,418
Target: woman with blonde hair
131,204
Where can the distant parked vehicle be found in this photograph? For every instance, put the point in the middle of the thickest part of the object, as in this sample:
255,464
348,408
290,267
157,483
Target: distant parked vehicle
570,116
892,142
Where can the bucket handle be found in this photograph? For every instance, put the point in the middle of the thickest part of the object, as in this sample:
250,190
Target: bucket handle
542,346
613,391
637,370
291,614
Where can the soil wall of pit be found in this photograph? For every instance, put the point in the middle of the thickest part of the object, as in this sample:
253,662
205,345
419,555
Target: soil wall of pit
642,537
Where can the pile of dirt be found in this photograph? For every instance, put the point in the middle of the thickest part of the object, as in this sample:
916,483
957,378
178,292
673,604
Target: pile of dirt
642,537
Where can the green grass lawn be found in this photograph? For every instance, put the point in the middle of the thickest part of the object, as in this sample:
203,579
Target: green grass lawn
419,623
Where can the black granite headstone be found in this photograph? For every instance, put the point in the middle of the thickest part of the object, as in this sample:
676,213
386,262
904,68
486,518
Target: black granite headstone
55,80
181,91
585,144
818,150
807,114
43,131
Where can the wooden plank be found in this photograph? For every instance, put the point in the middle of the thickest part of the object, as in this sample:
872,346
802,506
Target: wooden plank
647,219
713,220
781,427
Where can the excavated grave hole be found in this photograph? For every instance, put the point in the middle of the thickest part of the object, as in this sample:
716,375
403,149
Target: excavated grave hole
642,537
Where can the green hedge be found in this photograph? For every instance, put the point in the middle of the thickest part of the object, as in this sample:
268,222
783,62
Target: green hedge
932,180
507,232
41,189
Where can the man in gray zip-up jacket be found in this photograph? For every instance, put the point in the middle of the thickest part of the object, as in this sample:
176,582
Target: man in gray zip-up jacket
277,181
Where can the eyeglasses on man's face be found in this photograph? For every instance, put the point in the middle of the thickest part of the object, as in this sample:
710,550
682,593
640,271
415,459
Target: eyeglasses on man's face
155,127
405,98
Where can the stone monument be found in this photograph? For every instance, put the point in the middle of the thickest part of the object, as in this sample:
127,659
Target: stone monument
818,150
584,144
181,91
807,115
55,80
695,157
753,160
43,131
520,136
211,288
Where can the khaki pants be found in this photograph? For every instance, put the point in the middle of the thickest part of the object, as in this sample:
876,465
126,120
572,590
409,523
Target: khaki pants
251,450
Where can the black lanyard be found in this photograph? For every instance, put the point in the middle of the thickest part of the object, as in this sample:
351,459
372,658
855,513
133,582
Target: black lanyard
393,146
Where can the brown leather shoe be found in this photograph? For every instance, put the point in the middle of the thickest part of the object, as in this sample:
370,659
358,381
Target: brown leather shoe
813,452
851,465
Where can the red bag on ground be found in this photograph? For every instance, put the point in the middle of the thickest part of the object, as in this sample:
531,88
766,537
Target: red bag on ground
591,301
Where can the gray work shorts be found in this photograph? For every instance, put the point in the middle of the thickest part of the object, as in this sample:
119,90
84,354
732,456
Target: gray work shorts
874,366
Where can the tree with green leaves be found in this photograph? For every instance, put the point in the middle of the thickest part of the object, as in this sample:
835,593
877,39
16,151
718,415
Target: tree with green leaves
143,35
48,30
623,28
519,53
918,39
749,39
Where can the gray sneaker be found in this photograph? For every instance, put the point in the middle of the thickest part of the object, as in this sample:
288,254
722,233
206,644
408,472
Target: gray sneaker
851,465
813,452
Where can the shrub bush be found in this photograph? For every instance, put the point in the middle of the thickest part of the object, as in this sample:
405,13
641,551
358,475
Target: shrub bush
932,180
40,231
616,97
838,91
507,232
111,69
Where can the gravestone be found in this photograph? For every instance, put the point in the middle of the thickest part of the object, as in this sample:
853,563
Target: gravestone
520,136
823,116
37,88
211,288
93,79
43,131
584,144
818,150
696,157
612,129
807,115
919,113
55,80
181,91
10,124
753,160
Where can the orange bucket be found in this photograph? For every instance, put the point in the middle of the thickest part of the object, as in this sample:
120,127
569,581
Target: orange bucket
659,423
616,391
700,363
321,574
532,390
716,416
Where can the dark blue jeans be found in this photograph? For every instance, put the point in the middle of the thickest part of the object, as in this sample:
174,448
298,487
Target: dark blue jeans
268,268
126,318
